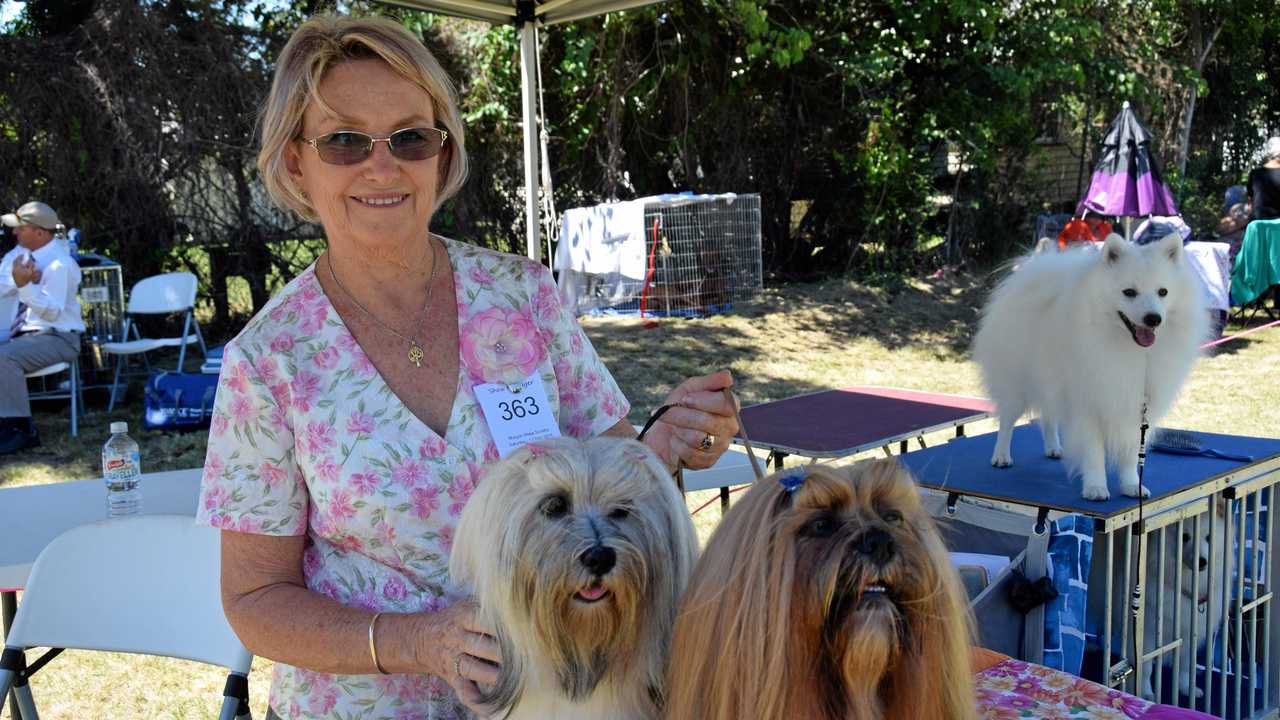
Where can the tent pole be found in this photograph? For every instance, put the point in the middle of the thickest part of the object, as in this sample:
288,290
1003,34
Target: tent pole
529,103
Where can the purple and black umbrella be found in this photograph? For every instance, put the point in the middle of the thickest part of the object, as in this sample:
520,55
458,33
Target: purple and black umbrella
1127,181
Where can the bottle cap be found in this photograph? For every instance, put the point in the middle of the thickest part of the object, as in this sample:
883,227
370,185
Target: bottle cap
119,427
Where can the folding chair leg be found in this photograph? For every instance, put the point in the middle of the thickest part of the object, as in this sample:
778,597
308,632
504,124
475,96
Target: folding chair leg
111,404
75,395
235,698
13,665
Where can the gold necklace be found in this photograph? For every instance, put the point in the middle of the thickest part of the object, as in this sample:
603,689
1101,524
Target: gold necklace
415,350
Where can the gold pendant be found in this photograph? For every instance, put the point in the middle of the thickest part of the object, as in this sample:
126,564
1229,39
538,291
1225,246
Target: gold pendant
415,354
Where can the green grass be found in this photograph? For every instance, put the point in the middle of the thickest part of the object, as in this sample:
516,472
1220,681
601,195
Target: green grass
795,339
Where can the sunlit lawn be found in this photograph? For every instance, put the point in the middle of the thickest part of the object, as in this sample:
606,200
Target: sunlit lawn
795,339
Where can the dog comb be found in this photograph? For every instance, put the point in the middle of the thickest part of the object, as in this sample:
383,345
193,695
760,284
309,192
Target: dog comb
1181,442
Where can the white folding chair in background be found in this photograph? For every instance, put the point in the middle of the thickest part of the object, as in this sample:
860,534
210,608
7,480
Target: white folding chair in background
74,391
145,584
157,295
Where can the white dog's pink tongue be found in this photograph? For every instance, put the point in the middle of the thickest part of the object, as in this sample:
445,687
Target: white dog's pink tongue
1144,336
592,592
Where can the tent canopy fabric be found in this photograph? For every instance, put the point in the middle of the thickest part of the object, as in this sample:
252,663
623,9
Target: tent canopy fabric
544,12
527,15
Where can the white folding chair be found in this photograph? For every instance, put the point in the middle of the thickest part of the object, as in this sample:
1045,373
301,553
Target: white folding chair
157,295
144,584
74,391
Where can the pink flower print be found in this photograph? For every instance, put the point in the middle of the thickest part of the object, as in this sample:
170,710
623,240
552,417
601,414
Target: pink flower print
547,303
361,364
481,276
281,394
213,465
462,486
360,423
500,346
327,470
304,387
214,497
387,684
238,378
242,410
278,418
219,426
408,472
323,702
394,589
386,534
609,407
340,507
407,713
247,524
310,561
271,474
575,341
365,599
579,426
329,589
446,538
431,448
491,452
321,524
282,344
346,341
414,688
439,688
425,501
320,437
313,319
267,366
327,359
364,483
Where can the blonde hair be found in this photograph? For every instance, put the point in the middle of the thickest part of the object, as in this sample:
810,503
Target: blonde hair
330,40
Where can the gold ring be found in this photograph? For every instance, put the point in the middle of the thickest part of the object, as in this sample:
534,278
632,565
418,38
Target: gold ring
707,441
457,665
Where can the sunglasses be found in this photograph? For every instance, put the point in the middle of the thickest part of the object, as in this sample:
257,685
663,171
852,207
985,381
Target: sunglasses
348,147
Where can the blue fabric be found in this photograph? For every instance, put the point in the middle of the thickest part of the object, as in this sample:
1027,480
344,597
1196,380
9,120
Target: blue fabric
1070,557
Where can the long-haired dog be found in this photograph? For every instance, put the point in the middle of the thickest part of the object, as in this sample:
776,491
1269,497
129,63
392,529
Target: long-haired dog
578,553
824,594
1088,338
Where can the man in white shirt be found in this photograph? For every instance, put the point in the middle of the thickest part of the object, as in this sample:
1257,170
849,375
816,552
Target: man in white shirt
44,281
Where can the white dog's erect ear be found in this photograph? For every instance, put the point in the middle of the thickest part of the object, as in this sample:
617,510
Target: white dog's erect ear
1114,248
1171,246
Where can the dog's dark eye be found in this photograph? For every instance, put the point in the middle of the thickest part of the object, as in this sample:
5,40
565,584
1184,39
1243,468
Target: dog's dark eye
1186,537
554,506
893,517
1130,293
819,527
1162,292
619,514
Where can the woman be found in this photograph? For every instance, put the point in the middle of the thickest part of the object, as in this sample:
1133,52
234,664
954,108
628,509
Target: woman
348,431
1264,183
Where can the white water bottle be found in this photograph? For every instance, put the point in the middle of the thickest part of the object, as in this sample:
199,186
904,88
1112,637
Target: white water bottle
121,469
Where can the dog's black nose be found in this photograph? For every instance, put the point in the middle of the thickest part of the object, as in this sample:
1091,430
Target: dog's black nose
1203,563
877,545
1151,320
598,559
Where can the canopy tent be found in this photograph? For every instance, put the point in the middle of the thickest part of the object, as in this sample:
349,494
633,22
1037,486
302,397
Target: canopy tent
528,16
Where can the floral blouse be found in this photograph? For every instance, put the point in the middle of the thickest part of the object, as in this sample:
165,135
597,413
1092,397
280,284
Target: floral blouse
1014,690
308,439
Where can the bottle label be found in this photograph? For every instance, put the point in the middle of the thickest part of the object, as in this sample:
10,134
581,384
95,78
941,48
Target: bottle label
123,467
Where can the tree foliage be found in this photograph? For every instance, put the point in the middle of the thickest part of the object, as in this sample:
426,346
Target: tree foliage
883,136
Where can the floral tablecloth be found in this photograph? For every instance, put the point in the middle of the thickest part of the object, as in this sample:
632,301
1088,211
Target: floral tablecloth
1013,690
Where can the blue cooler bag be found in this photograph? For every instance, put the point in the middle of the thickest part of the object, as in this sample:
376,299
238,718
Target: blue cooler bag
179,401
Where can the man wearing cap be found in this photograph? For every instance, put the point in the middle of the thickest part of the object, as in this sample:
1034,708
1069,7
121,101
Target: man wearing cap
43,280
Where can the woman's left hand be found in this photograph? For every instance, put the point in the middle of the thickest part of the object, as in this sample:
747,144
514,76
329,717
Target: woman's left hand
700,426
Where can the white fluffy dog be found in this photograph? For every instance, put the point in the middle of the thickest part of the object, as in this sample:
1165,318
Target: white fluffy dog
1086,338
578,553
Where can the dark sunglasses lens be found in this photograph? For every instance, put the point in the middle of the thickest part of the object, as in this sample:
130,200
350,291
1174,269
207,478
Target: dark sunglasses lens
343,148
416,143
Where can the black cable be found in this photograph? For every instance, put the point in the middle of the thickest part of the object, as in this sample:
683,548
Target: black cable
653,419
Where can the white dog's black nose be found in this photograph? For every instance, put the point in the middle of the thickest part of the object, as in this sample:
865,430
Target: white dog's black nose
877,545
1151,320
598,559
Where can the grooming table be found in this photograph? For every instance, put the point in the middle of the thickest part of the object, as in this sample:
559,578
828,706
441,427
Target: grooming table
960,477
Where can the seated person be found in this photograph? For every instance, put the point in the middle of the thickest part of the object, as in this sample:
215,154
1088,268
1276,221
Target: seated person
1264,183
1236,214
48,324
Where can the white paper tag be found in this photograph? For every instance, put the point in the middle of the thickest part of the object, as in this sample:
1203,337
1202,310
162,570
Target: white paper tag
517,413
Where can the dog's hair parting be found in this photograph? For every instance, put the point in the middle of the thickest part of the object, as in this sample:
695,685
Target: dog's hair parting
778,621
524,544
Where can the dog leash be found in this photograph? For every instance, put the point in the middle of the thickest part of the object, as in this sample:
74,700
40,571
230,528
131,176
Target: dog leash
742,432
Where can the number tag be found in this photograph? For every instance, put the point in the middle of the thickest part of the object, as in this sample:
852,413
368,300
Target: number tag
517,413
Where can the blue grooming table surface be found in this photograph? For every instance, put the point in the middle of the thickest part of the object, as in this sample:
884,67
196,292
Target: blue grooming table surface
963,466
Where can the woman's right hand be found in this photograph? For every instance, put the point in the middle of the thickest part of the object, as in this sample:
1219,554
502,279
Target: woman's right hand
466,653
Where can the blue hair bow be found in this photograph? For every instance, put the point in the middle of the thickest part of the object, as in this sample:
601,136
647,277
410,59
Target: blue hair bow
792,480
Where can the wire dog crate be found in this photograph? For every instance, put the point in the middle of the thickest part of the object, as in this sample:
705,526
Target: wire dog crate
674,255
102,303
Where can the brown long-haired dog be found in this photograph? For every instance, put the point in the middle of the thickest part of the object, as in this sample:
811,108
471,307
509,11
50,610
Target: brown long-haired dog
824,594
